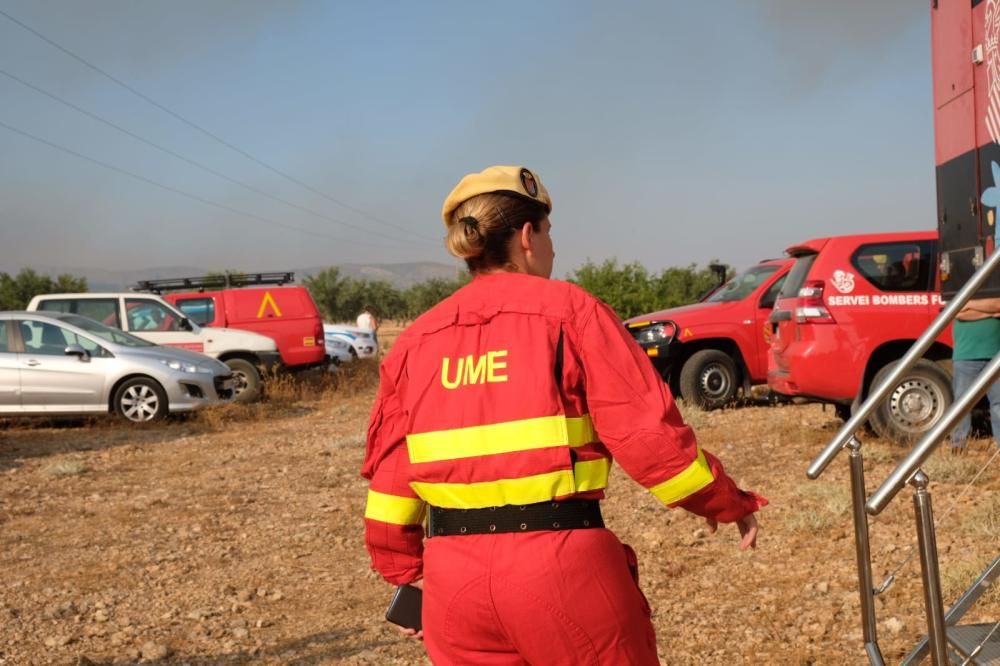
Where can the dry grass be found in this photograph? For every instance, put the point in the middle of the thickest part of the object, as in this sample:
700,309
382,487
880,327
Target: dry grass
818,505
984,520
66,468
287,394
956,579
945,467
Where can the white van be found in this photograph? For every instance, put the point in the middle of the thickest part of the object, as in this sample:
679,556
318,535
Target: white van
151,318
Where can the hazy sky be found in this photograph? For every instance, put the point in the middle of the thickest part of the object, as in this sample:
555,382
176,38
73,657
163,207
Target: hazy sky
666,132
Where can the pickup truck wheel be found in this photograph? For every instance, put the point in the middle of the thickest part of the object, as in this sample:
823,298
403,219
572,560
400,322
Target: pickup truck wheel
915,404
709,379
246,380
140,400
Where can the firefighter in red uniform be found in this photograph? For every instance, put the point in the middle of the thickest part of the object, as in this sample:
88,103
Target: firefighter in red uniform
498,415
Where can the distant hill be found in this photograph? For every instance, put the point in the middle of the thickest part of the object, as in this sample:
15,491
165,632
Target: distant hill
399,275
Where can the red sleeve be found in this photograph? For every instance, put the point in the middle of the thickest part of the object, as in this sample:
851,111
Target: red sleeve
394,515
637,420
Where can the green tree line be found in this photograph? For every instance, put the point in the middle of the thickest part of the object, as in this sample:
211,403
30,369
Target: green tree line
630,288
17,291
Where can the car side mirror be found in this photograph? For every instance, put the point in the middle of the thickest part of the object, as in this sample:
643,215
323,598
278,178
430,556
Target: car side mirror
186,324
78,351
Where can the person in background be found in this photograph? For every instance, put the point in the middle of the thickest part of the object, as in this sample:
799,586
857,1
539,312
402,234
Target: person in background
976,336
499,413
368,320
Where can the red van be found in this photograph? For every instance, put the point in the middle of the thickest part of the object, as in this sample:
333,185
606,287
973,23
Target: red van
850,309
262,303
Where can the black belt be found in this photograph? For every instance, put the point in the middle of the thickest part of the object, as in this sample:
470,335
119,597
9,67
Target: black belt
566,515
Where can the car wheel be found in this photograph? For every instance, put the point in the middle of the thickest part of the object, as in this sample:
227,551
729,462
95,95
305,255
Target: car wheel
354,353
709,379
915,404
140,400
246,380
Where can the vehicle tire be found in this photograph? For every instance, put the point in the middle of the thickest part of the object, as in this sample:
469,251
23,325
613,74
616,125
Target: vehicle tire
915,405
354,353
140,400
246,380
709,379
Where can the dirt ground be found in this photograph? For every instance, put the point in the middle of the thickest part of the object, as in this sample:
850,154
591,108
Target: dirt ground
235,537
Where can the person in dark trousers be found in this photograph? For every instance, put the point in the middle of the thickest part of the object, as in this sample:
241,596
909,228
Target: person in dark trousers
976,335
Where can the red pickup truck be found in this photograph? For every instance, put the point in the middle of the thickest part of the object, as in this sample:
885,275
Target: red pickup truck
712,350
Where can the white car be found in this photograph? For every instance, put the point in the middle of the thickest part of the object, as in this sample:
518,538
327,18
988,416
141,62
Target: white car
361,340
56,364
338,350
151,318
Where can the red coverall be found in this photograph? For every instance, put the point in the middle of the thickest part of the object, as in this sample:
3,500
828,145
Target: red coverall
471,414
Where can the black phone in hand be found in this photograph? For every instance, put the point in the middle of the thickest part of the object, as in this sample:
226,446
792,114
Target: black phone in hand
405,607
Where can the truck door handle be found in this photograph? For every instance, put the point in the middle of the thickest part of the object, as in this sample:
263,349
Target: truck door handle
33,363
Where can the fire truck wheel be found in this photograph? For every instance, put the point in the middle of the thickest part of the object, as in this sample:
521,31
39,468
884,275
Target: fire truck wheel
246,380
709,379
915,404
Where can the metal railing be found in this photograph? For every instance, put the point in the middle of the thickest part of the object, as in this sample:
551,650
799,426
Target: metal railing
907,472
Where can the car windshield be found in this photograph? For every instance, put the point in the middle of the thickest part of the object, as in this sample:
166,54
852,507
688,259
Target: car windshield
742,285
105,332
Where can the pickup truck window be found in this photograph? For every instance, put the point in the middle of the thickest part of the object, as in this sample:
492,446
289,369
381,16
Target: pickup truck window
742,285
199,310
902,266
146,315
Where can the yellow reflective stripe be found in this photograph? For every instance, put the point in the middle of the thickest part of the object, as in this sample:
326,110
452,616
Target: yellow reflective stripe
586,475
580,431
526,490
591,474
506,437
697,475
394,509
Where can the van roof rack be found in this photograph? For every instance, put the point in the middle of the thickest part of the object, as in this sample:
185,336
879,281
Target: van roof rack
224,281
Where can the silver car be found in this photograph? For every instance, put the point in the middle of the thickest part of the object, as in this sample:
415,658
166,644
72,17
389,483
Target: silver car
53,363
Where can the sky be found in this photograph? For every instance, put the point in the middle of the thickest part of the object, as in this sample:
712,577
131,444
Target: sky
257,135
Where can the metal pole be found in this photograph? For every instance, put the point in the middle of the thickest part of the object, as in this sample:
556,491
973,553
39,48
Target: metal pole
936,636
919,453
923,343
862,545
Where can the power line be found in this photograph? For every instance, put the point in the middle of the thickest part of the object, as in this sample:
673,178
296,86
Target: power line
176,155
182,193
199,128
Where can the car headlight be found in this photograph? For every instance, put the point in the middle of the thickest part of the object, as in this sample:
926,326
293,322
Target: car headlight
655,334
182,366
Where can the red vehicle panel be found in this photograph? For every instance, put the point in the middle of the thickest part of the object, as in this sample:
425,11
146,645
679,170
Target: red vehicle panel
966,70
852,306
286,314
708,351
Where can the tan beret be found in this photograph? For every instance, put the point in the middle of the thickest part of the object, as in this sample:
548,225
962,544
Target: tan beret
513,180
